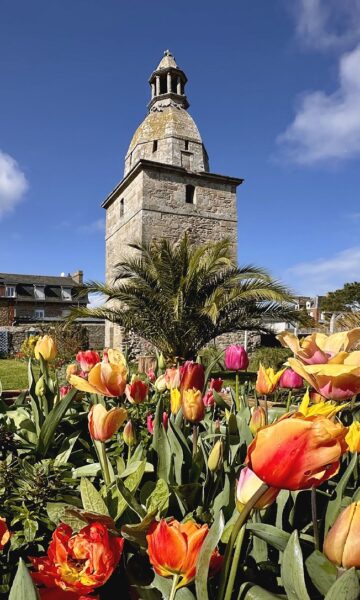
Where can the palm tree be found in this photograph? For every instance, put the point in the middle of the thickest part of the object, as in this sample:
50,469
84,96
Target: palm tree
179,297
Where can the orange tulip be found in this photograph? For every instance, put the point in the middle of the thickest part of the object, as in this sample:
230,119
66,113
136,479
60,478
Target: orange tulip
341,544
174,548
297,452
267,380
105,378
248,485
4,533
192,405
46,347
103,424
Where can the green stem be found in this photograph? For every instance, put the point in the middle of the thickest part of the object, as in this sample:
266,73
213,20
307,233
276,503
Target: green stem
173,587
195,439
234,565
129,453
314,518
105,465
266,410
288,403
234,534
237,400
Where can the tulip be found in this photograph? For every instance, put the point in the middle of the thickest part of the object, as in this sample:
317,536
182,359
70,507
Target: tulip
174,548
247,486
324,409
216,384
72,369
78,562
216,456
40,387
258,419
290,380
172,378
103,424
209,399
114,356
160,384
46,347
334,380
4,533
353,437
65,389
136,391
161,361
319,348
297,452
87,360
267,380
341,544
175,401
236,358
193,376
105,378
193,406
151,375
150,422
129,436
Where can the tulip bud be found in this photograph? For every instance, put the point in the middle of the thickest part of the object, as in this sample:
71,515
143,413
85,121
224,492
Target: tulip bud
248,485
258,419
129,436
209,399
236,358
192,406
150,423
175,401
291,380
172,378
161,361
46,347
192,376
65,389
40,387
151,375
216,384
341,544
160,384
216,456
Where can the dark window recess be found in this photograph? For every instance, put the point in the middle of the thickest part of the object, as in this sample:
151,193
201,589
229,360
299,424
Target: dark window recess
173,85
189,194
163,85
186,145
122,207
155,145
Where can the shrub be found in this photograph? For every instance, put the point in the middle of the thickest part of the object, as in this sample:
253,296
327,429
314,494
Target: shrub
28,346
269,357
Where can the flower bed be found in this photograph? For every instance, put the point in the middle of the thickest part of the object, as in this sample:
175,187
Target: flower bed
118,484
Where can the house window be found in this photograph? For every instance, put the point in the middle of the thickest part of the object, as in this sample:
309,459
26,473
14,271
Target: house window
155,146
189,194
39,313
10,291
186,145
39,292
66,293
122,202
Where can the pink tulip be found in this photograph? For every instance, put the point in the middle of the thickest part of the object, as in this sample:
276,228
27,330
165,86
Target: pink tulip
236,358
151,375
209,399
87,360
65,389
291,380
150,422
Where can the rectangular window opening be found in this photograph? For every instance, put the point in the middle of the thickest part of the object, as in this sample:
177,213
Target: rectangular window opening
10,291
121,207
155,146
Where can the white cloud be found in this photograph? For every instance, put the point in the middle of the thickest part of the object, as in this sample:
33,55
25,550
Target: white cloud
327,126
328,24
94,227
325,274
13,183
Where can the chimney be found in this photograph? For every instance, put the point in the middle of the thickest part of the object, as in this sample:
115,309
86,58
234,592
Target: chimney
78,276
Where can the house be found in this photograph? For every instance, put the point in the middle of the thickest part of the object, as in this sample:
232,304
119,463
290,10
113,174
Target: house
38,298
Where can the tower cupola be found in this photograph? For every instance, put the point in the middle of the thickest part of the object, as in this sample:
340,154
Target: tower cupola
168,84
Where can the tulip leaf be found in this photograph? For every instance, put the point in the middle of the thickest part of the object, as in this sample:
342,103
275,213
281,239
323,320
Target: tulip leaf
66,449
259,549
51,422
164,584
158,500
334,506
130,499
91,498
322,572
161,444
203,561
131,483
177,453
249,591
137,532
61,512
22,587
90,470
292,570
270,534
347,587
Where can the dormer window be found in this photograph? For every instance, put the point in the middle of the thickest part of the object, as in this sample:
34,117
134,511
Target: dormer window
66,293
39,292
10,291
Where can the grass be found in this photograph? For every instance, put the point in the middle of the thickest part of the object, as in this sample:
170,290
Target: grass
13,374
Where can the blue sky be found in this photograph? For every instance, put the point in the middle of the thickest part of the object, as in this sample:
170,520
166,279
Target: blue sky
275,93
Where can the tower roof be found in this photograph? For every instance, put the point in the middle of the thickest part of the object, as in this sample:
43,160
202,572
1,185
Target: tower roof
167,61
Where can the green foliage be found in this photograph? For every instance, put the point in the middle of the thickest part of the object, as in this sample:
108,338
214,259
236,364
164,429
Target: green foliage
180,297
269,357
28,346
345,299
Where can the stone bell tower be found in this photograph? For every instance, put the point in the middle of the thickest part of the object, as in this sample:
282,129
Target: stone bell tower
167,187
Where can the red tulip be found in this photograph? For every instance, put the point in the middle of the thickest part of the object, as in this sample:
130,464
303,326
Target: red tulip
78,562
236,358
136,391
4,533
291,380
65,389
216,384
87,360
193,376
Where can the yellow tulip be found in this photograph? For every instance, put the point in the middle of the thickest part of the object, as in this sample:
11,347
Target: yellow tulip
175,401
324,409
192,405
46,347
267,380
353,437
